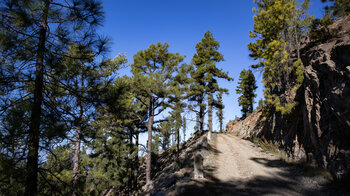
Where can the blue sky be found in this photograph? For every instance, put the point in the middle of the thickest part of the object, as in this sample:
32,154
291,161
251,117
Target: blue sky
135,24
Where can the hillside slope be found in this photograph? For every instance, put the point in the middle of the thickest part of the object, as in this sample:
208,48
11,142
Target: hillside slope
318,129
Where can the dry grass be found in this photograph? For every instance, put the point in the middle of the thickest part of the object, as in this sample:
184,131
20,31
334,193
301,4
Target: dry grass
274,148
269,146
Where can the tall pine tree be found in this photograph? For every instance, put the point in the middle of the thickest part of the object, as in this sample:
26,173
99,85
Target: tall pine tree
246,87
205,75
153,71
274,48
34,37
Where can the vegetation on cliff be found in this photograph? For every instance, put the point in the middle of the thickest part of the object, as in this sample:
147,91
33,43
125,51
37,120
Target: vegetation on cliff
70,123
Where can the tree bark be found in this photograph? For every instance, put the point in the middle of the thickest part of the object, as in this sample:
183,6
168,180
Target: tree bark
34,127
149,145
131,160
201,114
136,161
184,127
76,161
251,106
210,112
220,121
178,140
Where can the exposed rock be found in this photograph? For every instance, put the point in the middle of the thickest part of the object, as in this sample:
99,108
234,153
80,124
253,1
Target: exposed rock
318,130
250,126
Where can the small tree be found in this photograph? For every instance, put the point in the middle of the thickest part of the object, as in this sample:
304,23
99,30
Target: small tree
246,87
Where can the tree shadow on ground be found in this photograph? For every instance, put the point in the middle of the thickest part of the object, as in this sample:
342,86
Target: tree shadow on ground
291,180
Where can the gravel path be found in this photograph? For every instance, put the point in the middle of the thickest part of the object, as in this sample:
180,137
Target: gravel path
241,167
237,160
236,166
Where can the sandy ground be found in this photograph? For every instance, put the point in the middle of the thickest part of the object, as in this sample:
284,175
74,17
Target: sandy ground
237,160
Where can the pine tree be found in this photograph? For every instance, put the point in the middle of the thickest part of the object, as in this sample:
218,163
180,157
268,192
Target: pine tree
153,70
38,33
178,87
205,77
165,130
261,104
219,113
274,48
246,87
339,8
13,127
81,73
114,154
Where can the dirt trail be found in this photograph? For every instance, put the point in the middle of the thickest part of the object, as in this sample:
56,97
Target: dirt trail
234,166
239,159
239,167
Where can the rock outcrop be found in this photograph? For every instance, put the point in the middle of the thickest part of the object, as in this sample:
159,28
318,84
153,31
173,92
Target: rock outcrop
326,107
318,129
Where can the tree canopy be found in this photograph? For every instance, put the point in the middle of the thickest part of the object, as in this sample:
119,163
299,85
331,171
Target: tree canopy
246,87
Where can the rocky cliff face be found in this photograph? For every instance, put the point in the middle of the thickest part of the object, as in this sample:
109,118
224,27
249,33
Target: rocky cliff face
318,130
326,106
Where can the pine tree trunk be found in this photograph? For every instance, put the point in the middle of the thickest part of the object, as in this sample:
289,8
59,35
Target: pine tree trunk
34,127
149,145
251,106
201,114
178,139
76,161
210,112
184,127
136,161
76,156
221,124
132,164
297,42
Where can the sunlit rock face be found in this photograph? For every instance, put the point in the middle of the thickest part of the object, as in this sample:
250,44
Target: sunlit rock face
318,129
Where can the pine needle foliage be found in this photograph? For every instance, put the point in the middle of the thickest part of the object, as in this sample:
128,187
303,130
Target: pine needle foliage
205,75
279,28
246,87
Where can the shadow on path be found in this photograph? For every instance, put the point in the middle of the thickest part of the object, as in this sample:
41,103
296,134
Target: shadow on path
291,180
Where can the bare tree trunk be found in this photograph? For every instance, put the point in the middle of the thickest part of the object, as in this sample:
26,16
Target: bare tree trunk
201,114
76,161
184,127
251,106
34,128
297,42
210,112
221,123
178,140
132,164
136,161
149,145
